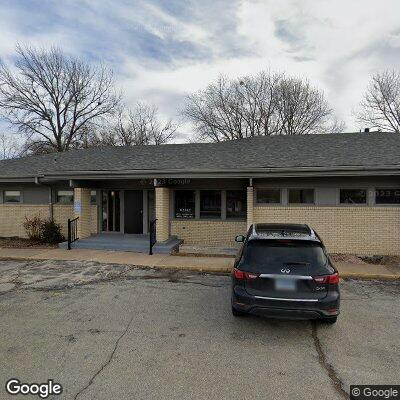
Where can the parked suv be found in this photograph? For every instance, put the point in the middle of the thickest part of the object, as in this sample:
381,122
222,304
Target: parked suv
283,270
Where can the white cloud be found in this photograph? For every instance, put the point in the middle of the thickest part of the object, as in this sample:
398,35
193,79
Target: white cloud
161,51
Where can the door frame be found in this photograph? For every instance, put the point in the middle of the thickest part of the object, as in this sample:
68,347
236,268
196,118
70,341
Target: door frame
100,205
145,212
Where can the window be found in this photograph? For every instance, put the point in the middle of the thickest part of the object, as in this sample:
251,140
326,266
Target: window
269,196
301,196
65,196
387,196
93,197
236,204
185,204
12,196
270,255
353,196
210,204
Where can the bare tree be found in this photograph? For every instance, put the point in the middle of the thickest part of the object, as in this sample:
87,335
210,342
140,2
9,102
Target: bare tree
265,104
380,108
302,109
8,147
232,109
336,125
138,126
52,98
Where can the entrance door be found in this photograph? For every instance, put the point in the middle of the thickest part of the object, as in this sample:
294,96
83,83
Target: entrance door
133,209
111,211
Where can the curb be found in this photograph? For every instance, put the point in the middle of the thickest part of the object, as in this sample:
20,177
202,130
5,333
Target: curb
370,277
216,270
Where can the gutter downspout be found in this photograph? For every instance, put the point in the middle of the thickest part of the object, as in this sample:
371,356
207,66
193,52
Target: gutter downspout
51,208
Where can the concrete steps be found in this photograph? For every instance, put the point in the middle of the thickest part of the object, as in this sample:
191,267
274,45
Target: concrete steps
124,242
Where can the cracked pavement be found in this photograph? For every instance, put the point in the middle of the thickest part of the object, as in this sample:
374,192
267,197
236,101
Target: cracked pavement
117,331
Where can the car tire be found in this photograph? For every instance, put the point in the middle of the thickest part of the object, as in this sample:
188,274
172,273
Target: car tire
238,313
330,320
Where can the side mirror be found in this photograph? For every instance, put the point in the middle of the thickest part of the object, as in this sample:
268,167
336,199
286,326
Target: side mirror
239,238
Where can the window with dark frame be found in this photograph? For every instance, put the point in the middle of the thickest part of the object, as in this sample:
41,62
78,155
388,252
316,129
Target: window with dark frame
65,196
301,196
269,196
185,204
93,197
210,204
12,196
236,204
353,196
387,196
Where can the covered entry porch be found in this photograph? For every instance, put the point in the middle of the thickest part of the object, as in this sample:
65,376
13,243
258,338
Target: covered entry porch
139,243
130,215
199,211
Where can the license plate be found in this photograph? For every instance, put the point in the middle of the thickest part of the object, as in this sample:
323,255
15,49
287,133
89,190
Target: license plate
285,284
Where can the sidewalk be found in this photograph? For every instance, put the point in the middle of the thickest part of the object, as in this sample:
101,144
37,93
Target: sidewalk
200,264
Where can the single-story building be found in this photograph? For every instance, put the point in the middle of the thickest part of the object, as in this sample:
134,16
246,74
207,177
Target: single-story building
346,186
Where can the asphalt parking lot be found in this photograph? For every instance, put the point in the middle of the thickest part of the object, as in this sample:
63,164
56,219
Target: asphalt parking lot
118,332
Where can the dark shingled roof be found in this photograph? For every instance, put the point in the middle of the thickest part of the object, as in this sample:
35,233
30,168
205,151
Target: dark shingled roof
374,149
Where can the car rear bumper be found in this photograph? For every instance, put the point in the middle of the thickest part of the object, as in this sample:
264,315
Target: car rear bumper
286,308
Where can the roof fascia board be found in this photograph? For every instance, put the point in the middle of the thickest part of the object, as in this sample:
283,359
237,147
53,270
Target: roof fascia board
225,175
32,179
249,173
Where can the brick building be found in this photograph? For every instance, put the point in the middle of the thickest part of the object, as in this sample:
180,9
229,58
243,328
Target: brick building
346,186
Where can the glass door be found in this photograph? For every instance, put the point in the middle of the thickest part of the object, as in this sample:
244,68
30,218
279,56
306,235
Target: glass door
151,206
111,208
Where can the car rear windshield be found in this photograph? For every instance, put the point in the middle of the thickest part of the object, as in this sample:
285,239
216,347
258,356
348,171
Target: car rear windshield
270,255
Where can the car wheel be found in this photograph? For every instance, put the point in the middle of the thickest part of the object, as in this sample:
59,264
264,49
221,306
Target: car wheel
330,320
238,313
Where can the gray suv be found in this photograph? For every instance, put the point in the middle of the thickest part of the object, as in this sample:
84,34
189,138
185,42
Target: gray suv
283,270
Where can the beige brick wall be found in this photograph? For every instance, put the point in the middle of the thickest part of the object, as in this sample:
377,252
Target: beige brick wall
12,217
162,213
82,198
93,219
250,206
212,233
359,230
61,213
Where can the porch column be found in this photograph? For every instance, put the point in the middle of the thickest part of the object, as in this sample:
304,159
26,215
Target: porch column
82,210
162,213
250,206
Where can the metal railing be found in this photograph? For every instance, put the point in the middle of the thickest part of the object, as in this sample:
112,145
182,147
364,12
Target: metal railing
72,231
152,232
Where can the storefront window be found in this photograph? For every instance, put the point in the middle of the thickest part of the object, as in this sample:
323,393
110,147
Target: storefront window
65,196
353,196
269,196
185,204
236,204
387,196
12,196
301,196
210,204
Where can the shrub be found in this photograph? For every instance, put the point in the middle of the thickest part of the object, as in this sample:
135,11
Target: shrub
51,232
33,228
43,230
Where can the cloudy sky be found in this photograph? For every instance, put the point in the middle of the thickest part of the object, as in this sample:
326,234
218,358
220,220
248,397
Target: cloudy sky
161,50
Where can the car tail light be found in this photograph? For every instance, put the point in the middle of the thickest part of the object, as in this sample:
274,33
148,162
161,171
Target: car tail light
327,279
332,311
244,276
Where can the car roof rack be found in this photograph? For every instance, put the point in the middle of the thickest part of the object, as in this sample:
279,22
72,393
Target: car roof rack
283,228
271,230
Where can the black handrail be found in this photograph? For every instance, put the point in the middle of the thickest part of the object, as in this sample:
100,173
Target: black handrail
72,231
152,231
